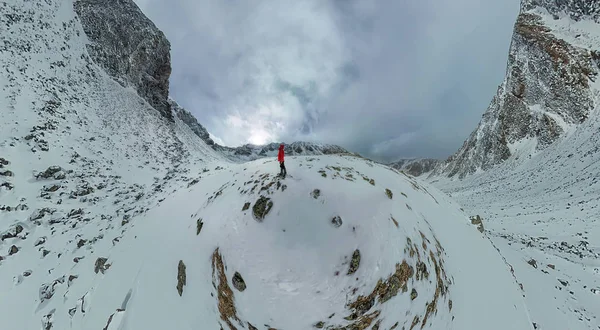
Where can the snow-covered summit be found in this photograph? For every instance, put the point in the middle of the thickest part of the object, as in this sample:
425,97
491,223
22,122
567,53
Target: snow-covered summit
341,243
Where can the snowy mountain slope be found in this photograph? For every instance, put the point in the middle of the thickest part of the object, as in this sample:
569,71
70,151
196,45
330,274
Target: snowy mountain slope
244,249
547,209
416,166
129,47
547,93
540,202
81,159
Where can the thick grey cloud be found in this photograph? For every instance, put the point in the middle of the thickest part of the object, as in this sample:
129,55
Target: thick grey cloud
387,79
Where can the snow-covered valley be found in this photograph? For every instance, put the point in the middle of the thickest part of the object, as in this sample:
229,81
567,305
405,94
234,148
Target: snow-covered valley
118,213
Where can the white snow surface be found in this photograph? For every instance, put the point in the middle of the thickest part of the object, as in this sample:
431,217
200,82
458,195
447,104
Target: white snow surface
546,208
97,244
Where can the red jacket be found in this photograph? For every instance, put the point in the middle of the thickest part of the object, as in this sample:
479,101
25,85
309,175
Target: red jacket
280,155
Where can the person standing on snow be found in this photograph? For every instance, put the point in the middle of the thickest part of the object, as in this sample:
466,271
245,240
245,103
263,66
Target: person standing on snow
280,157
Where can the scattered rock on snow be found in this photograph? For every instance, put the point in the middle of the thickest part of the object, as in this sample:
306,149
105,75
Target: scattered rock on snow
413,294
355,262
336,221
533,263
81,243
40,213
13,249
477,221
6,173
261,208
49,172
551,266
246,206
51,188
101,265
389,193
181,277
316,193
238,282
199,225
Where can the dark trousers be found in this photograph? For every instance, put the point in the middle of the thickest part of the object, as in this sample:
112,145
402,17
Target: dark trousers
282,171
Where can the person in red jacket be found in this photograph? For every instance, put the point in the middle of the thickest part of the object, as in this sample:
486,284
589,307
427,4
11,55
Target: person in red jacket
280,157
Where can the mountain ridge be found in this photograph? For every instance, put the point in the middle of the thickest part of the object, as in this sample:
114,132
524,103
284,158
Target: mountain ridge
545,95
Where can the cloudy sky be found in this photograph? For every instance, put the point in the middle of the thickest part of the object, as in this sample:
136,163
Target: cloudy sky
388,79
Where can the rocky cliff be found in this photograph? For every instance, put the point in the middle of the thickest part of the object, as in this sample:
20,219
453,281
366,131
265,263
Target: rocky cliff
416,167
129,47
547,91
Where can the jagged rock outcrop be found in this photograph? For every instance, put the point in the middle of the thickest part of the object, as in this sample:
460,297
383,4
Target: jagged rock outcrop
576,9
416,167
191,121
129,47
545,93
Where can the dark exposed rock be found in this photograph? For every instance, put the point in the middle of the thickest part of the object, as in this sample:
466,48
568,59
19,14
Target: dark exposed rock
336,221
199,225
13,249
316,193
261,208
40,213
81,243
49,172
101,265
51,188
413,294
75,212
6,173
477,221
129,47
238,282
181,277
246,206
389,193
354,263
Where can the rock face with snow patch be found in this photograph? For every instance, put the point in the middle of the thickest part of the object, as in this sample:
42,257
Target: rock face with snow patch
416,167
546,90
129,47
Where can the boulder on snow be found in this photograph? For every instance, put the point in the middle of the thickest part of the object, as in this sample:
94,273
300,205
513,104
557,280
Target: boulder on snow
199,225
246,206
315,193
101,265
238,282
49,172
355,262
181,277
6,173
261,208
336,221
13,249
389,193
477,221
